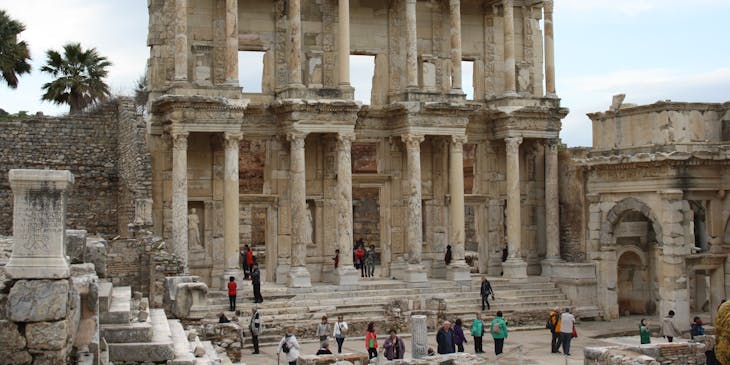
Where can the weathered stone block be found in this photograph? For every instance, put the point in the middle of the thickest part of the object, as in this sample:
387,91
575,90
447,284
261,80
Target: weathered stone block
96,253
38,300
75,245
46,335
49,357
10,338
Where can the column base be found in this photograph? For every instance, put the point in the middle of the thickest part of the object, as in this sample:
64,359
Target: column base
236,273
515,268
282,274
299,278
415,276
459,272
38,268
346,276
547,266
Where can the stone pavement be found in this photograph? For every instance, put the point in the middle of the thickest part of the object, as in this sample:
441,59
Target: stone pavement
535,344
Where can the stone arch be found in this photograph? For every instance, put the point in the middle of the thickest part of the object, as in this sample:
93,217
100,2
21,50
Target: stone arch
634,249
623,206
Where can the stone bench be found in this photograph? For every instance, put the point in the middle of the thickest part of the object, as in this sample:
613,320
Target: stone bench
355,358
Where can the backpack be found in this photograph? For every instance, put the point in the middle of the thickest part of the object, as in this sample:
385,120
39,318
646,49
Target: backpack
496,328
285,347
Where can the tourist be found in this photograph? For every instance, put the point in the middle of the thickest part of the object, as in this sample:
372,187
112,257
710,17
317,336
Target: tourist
289,346
336,259
459,338
371,341
696,328
669,329
445,339
430,352
222,318
370,261
323,330
554,326
394,346
244,264
256,327
232,294
477,331
256,281
250,259
567,329
498,328
324,349
447,255
339,332
360,259
485,291
644,332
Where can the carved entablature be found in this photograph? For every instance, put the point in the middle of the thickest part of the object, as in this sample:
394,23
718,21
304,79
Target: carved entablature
197,113
316,116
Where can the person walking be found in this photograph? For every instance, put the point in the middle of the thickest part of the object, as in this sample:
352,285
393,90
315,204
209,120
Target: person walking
360,259
340,332
394,346
669,329
567,327
498,328
289,346
644,332
445,339
486,290
256,327
256,281
371,341
477,331
447,255
232,294
554,326
323,330
370,261
459,338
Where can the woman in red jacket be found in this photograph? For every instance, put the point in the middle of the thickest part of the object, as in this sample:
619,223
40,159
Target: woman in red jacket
371,341
232,293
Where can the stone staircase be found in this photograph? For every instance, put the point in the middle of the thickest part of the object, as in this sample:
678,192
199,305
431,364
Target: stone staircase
154,340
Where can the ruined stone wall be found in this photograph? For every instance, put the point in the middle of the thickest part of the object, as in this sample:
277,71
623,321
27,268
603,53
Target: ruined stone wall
689,353
571,192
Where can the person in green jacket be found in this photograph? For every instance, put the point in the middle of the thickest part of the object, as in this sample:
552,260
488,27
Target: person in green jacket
498,328
644,332
477,330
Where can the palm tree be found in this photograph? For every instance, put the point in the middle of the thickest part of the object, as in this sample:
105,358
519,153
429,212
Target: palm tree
14,55
79,77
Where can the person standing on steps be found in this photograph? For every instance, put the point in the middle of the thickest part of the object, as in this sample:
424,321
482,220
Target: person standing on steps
370,261
340,332
477,331
445,339
459,338
447,255
250,259
669,329
336,259
394,346
256,281
644,333
256,327
567,327
360,259
498,328
289,346
486,291
323,330
554,326
232,294
371,341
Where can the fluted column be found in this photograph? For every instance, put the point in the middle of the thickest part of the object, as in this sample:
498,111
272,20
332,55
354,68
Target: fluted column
343,50
298,274
515,267
231,206
232,42
180,196
552,211
455,17
414,218
458,270
411,45
181,40
549,49
510,79
346,273
295,52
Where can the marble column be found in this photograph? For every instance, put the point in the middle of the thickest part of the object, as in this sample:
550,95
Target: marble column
549,49
458,270
411,45
295,50
231,207
298,274
515,267
346,273
343,50
181,40
552,211
455,17
232,42
419,336
180,196
39,221
415,273
510,79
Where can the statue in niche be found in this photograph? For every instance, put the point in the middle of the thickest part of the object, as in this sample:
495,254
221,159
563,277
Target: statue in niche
194,230
309,226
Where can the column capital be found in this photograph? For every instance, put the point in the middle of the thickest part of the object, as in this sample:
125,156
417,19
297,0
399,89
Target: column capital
458,139
513,142
552,143
548,6
344,140
296,139
412,140
232,139
508,3
179,140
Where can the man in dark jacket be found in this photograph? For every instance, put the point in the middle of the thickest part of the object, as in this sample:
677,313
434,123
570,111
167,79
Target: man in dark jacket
486,291
256,281
445,339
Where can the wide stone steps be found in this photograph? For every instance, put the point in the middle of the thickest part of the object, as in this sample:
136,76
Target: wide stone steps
118,309
159,348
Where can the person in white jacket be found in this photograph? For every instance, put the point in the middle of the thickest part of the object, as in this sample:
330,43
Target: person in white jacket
289,346
340,332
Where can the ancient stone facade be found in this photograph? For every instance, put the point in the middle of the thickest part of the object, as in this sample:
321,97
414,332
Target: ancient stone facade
309,136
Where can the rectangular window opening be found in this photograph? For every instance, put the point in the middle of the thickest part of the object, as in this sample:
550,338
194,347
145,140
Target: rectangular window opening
467,79
251,71
362,70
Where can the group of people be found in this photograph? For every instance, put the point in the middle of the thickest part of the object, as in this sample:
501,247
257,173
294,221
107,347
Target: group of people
451,339
363,258
562,328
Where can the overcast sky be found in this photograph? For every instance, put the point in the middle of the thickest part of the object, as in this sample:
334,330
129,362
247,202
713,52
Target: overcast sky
649,49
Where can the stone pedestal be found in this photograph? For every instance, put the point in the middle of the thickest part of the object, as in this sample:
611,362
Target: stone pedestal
39,212
419,337
346,276
299,277
547,266
459,272
415,276
515,269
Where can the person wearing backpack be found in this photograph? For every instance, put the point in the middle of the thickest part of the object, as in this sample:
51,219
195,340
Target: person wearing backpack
553,324
477,331
498,328
339,332
289,346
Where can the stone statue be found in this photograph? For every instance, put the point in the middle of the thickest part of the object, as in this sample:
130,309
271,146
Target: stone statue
194,230
309,227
